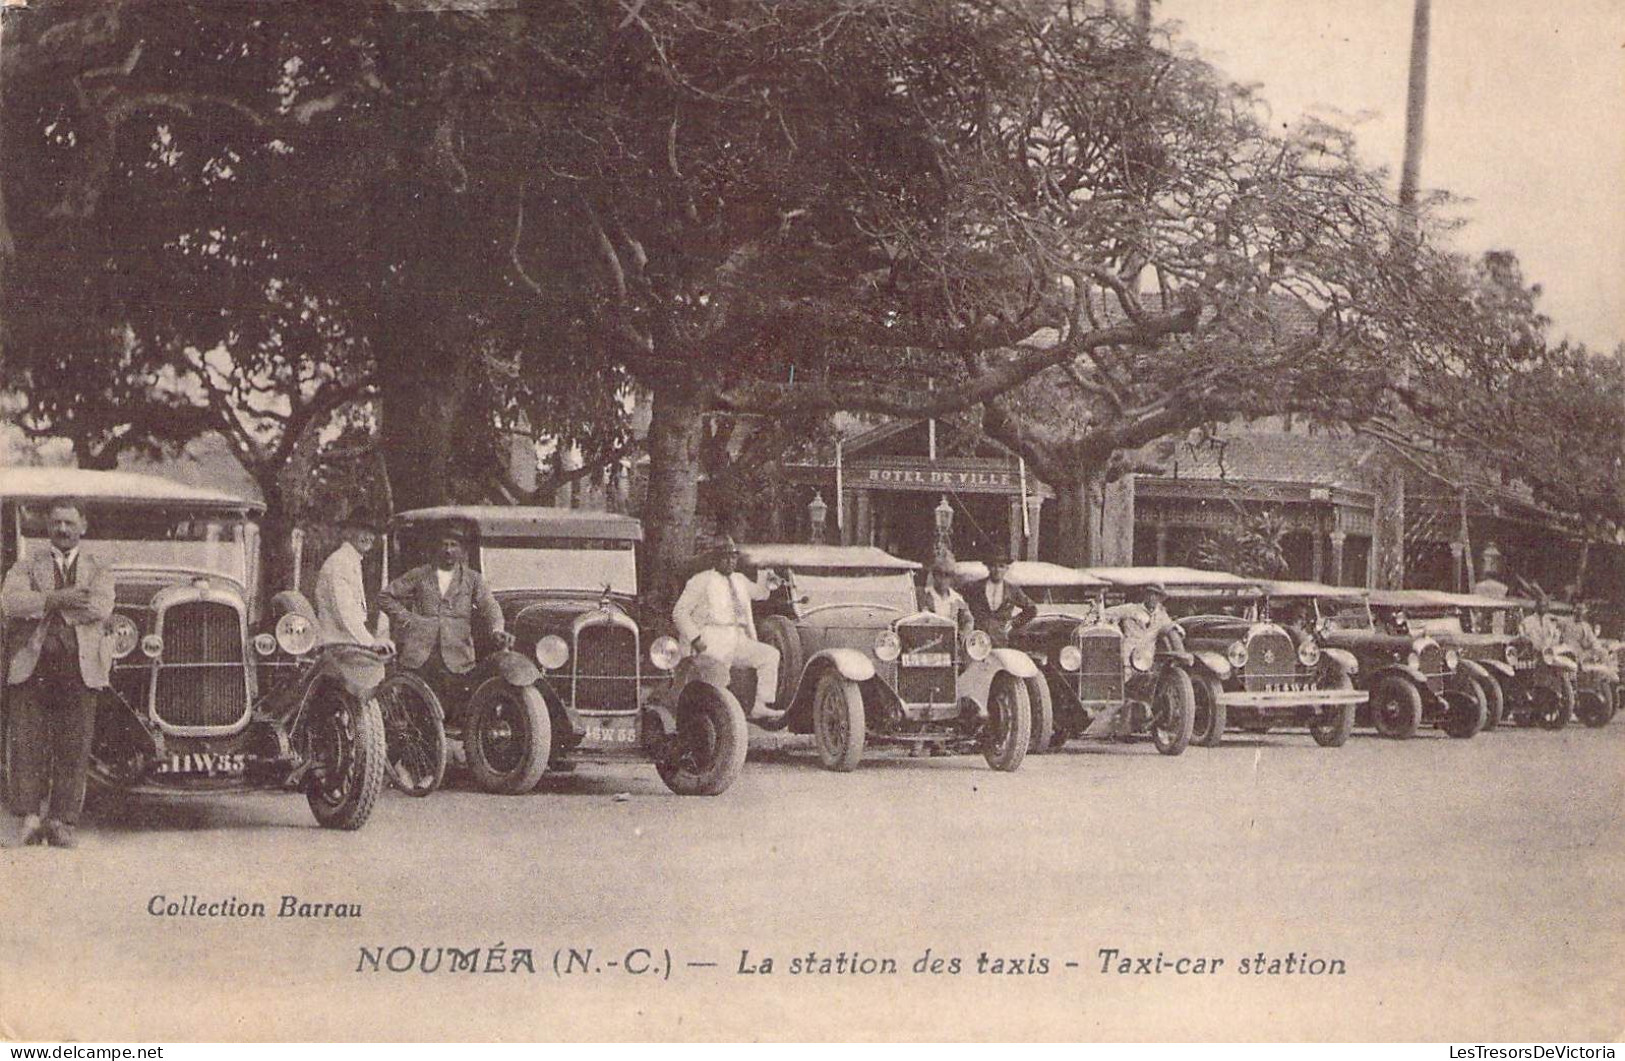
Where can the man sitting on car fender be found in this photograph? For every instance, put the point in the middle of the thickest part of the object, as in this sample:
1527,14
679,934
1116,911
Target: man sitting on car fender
1143,621
431,611
713,617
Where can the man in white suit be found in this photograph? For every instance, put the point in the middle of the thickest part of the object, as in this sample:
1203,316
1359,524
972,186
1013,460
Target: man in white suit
57,604
341,593
713,617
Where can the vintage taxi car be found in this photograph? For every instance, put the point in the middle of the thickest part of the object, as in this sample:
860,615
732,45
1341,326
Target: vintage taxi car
1091,688
1596,679
1246,672
580,685
862,665
1412,679
1535,688
213,689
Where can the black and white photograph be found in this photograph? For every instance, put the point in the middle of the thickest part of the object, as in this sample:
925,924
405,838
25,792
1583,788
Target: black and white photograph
812,521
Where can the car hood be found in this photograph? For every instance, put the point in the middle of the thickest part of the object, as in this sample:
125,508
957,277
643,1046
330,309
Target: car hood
1368,640
134,587
554,613
1216,628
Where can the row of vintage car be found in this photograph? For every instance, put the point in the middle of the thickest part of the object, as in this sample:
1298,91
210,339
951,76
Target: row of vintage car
219,687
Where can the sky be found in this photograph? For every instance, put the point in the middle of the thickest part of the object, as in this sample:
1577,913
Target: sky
1526,117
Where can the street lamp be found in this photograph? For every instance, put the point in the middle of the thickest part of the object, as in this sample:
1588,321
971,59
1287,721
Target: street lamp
817,512
945,527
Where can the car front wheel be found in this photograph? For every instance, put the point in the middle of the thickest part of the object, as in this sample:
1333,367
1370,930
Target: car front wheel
1009,723
347,750
1494,700
1396,707
1209,715
838,726
414,734
1334,724
507,736
1552,708
707,753
1173,712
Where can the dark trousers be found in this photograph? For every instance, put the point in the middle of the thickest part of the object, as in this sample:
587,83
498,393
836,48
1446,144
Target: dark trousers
53,719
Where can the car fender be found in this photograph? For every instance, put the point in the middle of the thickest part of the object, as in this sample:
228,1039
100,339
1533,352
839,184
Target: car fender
1343,658
1213,662
1564,664
1499,666
1470,668
976,681
357,669
849,663
511,667
1404,670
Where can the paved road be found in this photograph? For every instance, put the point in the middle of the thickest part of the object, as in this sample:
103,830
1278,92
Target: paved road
1471,889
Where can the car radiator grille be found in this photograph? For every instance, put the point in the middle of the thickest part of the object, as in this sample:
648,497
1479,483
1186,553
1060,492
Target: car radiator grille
1272,662
1433,666
606,677
1101,675
201,680
927,685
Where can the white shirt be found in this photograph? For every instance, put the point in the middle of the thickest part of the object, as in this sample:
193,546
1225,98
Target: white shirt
994,594
341,600
716,601
944,604
443,579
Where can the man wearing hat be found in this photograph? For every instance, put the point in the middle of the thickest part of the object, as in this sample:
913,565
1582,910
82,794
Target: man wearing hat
1541,627
939,597
998,605
341,594
1143,620
713,618
431,611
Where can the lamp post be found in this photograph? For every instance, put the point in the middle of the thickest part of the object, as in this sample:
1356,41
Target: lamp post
817,512
945,528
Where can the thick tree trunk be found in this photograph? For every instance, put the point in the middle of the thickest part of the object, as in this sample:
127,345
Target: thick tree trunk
676,427
1075,537
276,553
421,392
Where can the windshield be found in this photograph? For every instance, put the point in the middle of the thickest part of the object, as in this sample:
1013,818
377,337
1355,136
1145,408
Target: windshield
562,565
895,591
1235,607
1345,614
1434,625
1064,594
168,538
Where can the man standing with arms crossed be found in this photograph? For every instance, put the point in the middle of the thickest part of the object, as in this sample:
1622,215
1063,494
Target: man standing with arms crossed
57,604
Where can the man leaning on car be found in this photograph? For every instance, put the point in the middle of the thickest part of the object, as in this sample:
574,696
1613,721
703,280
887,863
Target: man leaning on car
57,604
431,610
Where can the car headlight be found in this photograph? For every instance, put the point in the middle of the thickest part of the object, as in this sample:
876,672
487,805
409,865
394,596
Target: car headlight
552,653
1071,657
1512,652
1236,654
664,653
1308,653
295,634
152,646
264,644
1143,655
978,645
1548,656
1414,661
888,646
125,636
1452,659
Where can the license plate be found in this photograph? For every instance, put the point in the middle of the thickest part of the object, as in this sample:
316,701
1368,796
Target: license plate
927,659
611,735
1286,687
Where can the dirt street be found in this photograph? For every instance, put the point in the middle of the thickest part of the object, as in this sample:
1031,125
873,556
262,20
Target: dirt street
1467,890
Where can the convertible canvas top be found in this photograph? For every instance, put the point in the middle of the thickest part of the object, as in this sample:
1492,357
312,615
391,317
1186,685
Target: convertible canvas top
814,557
522,521
1030,573
1432,598
1293,588
1180,581
111,488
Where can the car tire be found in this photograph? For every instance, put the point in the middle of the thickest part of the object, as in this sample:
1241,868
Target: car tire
1494,701
1043,712
507,736
707,753
1464,716
1335,726
781,633
1551,708
1009,727
414,734
350,731
838,724
1207,714
1592,708
1173,712
1396,707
